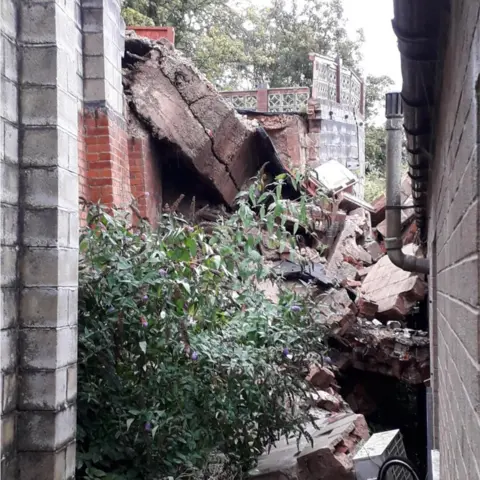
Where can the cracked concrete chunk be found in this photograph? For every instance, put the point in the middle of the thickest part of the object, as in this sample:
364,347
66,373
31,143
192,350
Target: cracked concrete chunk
394,290
347,250
387,351
184,112
335,441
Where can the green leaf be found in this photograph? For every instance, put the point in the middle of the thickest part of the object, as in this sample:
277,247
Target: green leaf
217,260
143,346
129,423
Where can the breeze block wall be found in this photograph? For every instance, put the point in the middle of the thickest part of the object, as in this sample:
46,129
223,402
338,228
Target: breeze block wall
454,230
63,134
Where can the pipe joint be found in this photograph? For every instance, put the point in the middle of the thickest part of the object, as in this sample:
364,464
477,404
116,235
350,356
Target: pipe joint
394,243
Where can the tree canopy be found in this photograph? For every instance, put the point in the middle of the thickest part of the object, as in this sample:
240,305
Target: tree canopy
243,45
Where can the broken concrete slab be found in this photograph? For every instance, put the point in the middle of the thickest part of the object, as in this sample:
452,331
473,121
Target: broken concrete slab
328,401
394,290
361,218
399,353
184,112
349,202
335,442
338,312
346,249
375,250
320,377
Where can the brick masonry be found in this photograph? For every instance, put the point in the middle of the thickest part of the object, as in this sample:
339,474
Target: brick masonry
453,246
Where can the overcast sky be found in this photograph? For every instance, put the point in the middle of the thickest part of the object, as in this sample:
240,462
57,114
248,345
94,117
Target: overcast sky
380,52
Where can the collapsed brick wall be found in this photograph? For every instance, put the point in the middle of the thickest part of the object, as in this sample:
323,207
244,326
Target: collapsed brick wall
453,249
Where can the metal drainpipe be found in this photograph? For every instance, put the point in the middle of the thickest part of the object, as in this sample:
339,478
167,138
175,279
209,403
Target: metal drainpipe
393,212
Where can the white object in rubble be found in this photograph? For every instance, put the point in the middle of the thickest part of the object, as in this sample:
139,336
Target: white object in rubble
394,324
334,176
375,451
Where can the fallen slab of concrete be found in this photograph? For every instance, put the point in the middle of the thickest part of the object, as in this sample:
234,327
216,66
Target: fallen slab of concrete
395,291
186,114
399,353
335,442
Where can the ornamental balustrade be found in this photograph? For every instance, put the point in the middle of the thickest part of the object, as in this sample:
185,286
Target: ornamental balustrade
331,84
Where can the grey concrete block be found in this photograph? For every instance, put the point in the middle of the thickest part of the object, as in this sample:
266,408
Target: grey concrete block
43,390
8,261
46,307
71,460
78,14
73,230
9,467
72,87
72,147
79,62
48,348
8,18
94,44
95,67
39,106
7,436
93,20
9,392
41,66
94,90
38,22
45,147
8,353
50,188
72,383
50,267
10,143
9,184
8,61
46,431
9,95
67,111
43,465
9,312
8,225
92,4
69,7
46,228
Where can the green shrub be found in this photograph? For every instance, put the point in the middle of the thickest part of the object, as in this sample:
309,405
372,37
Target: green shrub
180,352
375,185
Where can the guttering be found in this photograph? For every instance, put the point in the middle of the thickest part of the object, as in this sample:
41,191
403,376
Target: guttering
393,209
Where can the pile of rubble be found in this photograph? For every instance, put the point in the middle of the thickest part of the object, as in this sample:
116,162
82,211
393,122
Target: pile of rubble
367,300
367,304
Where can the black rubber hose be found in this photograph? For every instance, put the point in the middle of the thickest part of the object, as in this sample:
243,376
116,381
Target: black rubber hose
402,462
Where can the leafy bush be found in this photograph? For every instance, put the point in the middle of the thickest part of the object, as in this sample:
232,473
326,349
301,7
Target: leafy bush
181,354
375,185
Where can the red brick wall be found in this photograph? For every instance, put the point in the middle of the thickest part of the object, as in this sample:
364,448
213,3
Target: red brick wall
155,33
108,170
115,168
145,177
